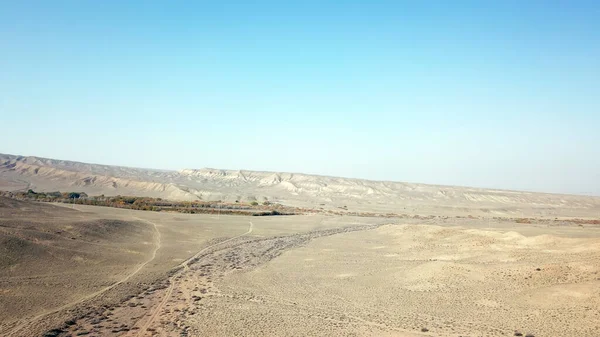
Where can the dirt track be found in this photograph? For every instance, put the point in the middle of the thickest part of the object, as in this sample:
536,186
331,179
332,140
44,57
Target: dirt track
185,265
395,280
179,297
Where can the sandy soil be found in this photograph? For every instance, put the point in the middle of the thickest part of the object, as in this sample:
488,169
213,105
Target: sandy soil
400,279
62,255
197,275
374,280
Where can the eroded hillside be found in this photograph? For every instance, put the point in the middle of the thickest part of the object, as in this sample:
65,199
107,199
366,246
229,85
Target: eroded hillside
40,174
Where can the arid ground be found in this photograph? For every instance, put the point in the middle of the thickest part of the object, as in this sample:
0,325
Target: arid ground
103,271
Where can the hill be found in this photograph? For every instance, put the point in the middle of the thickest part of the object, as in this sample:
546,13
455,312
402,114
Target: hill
293,189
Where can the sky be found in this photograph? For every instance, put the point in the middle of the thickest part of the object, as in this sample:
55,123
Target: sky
498,94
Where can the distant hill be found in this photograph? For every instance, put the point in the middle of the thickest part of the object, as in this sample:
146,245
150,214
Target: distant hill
294,189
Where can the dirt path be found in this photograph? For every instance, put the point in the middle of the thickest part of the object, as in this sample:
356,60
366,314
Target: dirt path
172,279
168,307
157,244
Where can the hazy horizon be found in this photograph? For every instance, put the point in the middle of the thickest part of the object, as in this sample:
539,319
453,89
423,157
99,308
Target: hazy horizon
497,95
297,172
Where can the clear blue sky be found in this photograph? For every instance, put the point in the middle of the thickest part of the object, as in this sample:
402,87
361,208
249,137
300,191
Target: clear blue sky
501,94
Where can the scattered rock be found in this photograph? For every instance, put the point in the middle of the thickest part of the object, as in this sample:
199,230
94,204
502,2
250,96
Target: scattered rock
53,333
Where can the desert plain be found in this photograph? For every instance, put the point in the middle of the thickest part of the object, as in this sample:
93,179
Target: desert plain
441,269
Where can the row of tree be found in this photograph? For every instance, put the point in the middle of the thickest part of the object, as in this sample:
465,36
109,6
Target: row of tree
156,204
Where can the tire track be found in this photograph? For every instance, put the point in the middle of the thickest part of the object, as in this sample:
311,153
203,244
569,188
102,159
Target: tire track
185,266
253,253
167,305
